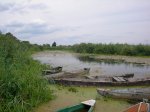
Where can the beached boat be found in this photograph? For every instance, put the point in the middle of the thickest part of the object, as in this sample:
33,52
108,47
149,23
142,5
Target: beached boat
129,75
73,74
77,73
132,93
140,107
86,106
52,70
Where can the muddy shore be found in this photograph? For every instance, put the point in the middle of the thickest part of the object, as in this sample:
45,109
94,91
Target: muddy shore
127,59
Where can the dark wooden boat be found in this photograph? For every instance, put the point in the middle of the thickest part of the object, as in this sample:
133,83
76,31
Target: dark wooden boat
140,107
130,75
132,93
52,70
86,106
118,78
102,82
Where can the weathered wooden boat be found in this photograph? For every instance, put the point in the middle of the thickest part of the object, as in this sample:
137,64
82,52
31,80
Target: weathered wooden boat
132,93
125,76
64,74
140,107
78,72
129,75
102,82
52,70
86,106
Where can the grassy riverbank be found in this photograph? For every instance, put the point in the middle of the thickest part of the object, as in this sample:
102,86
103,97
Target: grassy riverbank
67,96
22,86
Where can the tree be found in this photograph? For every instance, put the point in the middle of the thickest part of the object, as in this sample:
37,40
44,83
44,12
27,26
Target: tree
54,44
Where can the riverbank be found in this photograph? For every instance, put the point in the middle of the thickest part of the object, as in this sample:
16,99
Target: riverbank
71,95
143,60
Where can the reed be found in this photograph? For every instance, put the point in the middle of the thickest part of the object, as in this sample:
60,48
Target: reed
22,86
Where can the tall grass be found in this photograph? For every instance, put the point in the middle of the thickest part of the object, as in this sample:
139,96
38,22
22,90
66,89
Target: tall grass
21,84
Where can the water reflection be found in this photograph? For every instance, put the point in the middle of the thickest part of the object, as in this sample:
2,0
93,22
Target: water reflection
72,62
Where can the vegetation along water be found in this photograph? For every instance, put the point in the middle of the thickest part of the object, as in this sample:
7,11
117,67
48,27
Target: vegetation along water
22,86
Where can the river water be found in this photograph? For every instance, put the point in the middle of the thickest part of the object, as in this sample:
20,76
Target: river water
71,62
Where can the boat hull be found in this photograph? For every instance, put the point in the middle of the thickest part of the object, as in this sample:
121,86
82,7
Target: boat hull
132,94
140,107
77,108
70,81
86,106
52,70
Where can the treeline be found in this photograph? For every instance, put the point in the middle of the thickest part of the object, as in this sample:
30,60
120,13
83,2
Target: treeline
21,85
114,49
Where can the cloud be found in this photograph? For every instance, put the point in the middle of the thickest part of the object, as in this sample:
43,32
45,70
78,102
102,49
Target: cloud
38,6
28,30
5,7
75,21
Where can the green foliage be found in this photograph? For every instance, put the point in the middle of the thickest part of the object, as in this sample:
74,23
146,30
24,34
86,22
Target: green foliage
115,49
21,84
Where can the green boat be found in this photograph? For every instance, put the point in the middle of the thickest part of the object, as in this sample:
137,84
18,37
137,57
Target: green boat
86,106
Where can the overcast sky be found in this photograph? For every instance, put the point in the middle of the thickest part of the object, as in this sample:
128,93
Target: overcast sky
76,21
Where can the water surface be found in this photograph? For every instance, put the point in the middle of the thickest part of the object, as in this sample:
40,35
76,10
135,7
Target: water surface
71,62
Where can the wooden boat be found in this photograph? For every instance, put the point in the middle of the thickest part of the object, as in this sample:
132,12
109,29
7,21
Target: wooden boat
52,70
140,107
101,82
130,75
79,72
64,74
134,93
117,78
86,106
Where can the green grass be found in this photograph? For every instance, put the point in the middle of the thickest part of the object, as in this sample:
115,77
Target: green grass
22,86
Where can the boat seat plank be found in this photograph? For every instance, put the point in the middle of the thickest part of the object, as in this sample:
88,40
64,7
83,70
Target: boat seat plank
119,79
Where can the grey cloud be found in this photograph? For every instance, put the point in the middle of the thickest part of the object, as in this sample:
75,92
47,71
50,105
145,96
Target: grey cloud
6,7
31,29
15,25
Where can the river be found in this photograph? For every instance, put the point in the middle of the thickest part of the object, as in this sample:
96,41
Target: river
72,61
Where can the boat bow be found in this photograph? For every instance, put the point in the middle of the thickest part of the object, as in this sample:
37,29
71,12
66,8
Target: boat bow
89,102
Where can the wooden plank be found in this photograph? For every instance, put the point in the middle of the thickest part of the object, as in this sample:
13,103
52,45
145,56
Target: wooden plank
116,79
119,79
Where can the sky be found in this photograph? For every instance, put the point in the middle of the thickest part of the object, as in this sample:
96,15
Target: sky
75,21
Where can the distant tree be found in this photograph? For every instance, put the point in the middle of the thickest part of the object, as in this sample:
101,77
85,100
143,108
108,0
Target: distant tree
46,46
54,44
0,32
